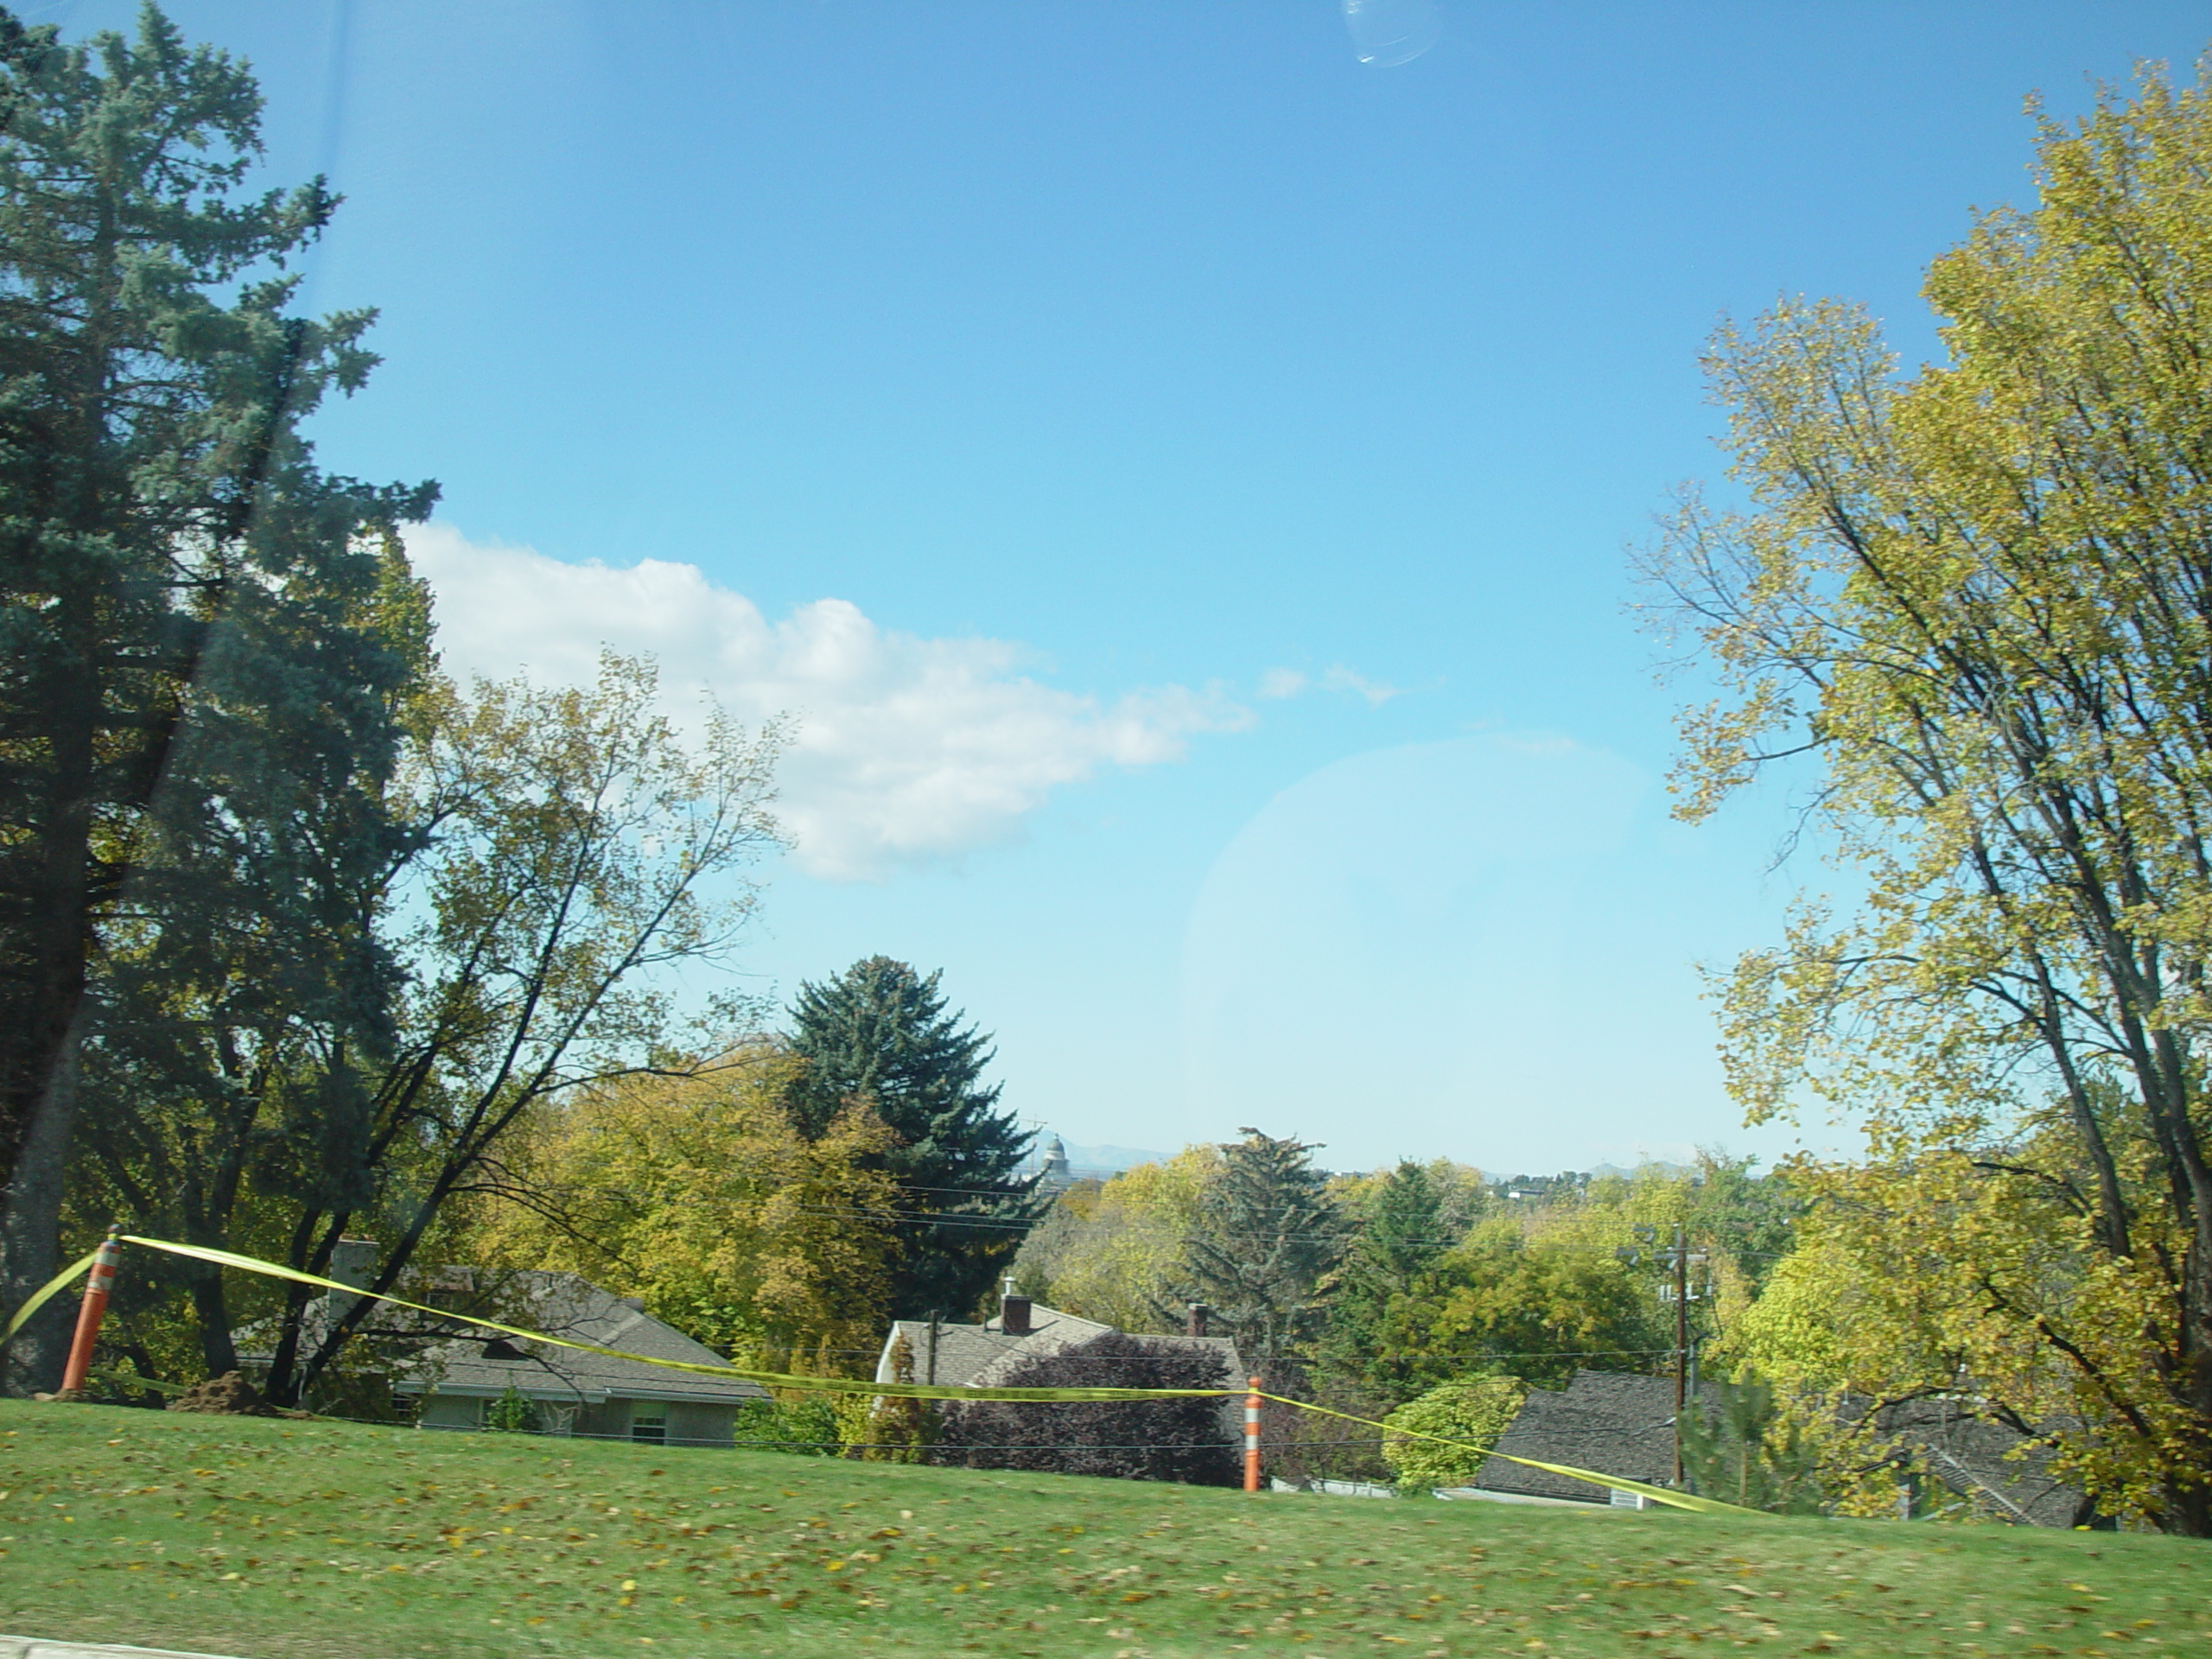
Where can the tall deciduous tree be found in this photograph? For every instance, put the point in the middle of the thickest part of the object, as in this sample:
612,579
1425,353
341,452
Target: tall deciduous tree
879,1036
1981,596
1118,1259
191,714
1539,1309
570,853
580,851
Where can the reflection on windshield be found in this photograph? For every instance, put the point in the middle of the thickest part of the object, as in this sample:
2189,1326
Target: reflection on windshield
1385,32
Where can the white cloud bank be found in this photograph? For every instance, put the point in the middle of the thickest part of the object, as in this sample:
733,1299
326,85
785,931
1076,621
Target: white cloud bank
907,749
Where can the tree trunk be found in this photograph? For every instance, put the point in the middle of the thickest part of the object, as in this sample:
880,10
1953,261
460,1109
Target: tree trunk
30,1234
210,1313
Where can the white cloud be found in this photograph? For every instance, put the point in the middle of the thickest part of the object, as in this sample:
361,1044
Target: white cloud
1279,683
1341,678
907,749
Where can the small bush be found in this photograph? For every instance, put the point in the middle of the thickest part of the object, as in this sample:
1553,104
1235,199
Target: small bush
511,1414
1473,1413
889,1429
804,1424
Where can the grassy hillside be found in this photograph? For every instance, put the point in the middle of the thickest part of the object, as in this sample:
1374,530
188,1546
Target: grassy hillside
277,1539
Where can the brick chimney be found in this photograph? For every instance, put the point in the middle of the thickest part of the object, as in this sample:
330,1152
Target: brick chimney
1014,1312
1197,1325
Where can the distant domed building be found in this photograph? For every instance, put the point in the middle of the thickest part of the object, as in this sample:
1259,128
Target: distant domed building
1054,1175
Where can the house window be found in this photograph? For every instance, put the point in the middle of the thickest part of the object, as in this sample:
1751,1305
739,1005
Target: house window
648,1423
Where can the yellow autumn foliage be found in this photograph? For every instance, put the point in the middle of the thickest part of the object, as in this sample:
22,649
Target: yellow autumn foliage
1114,1258
698,1195
1978,599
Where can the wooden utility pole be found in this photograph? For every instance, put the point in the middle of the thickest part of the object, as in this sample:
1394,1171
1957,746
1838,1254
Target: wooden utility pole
1681,1341
1678,1259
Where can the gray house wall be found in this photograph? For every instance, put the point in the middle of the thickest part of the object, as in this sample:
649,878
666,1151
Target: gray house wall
451,1411
609,1420
688,1422
697,1423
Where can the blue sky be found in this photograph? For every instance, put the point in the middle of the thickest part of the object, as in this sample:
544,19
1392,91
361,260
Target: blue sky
1177,474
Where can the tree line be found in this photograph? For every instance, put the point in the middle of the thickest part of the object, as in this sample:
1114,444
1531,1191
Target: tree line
1425,1293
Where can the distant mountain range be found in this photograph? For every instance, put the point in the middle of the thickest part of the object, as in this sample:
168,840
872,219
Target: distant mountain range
1648,1166
1093,1160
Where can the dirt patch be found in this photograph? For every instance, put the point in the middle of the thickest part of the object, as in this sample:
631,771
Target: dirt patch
228,1395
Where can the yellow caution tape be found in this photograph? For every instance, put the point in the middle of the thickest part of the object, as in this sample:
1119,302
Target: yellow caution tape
1620,1483
850,1385
767,1379
48,1293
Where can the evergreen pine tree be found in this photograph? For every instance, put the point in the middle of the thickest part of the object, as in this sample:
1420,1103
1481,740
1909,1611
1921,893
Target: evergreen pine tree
879,1034
1267,1239
194,704
1739,1445
1402,1233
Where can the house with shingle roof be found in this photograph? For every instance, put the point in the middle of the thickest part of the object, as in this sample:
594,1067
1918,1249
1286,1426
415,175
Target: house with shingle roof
1625,1425
447,1376
595,1395
981,1356
1603,1421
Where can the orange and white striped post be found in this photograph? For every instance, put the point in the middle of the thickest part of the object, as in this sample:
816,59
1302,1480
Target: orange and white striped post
1252,1436
97,1284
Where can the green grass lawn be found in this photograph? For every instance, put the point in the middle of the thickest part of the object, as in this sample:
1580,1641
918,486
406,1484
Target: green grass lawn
275,1539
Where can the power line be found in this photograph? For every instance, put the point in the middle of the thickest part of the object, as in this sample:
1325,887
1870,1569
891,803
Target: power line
939,1217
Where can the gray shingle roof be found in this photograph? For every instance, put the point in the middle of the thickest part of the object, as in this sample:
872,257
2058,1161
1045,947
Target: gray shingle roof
965,1351
1613,1424
978,1356
1625,1425
427,1354
1971,1455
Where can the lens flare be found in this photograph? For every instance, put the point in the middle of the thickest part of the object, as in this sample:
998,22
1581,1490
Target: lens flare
1386,33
